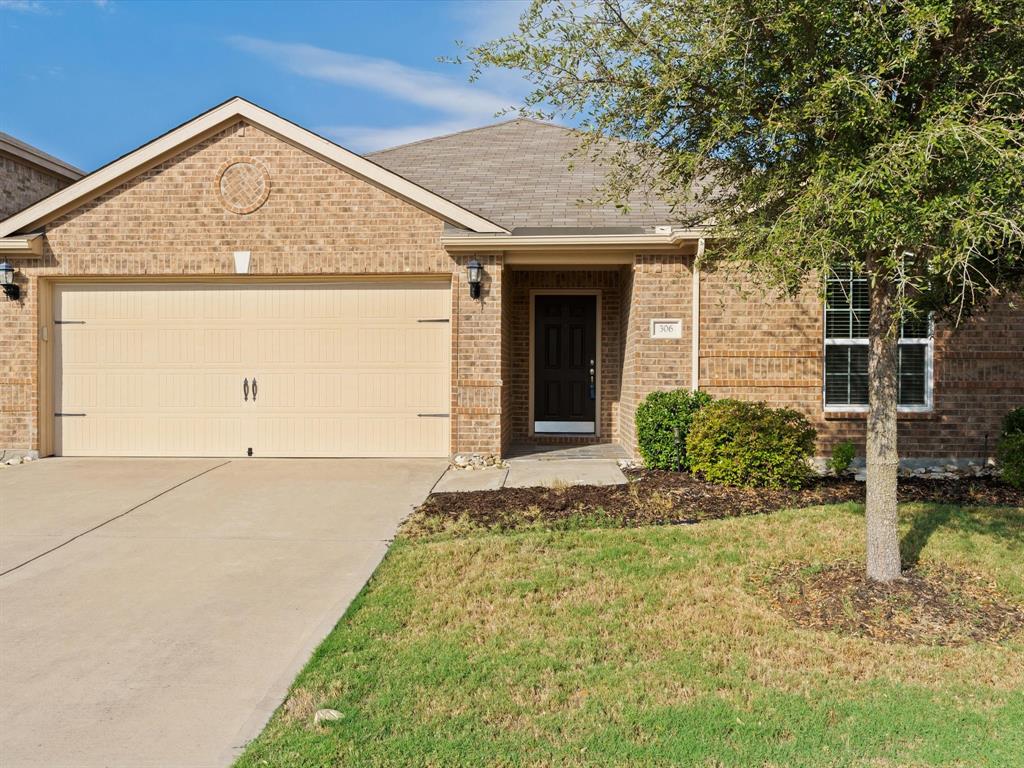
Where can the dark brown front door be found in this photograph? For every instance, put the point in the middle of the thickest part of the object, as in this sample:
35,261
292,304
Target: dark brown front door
565,357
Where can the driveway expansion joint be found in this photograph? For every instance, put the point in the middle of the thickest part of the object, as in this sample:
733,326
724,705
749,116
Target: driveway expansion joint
112,519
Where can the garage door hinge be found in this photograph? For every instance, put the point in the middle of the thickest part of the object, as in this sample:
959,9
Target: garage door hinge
69,414
433,415
437,320
69,322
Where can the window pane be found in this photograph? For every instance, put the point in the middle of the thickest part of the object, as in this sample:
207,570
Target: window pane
912,374
846,375
859,289
915,328
859,328
846,302
859,375
837,324
837,294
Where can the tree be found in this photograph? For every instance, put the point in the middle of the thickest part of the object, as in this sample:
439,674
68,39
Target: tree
882,135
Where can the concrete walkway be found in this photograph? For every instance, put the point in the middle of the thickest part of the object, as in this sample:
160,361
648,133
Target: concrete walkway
533,472
154,612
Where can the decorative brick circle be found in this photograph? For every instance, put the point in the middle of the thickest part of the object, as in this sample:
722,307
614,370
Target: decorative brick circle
243,185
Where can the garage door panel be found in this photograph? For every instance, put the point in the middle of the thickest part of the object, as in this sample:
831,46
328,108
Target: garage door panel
212,393
426,392
343,369
101,390
102,435
219,346
206,436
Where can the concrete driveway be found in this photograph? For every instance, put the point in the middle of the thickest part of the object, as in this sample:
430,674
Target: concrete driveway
154,611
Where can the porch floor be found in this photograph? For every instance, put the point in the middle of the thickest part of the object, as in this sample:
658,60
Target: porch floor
538,452
552,466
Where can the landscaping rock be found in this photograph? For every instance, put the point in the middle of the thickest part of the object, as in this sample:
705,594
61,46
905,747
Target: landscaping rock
13,462
476,461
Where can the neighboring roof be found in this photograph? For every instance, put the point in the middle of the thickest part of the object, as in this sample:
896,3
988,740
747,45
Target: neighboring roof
517,174
36,156
208,123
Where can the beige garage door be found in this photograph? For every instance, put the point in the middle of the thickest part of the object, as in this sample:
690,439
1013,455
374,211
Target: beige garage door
327,369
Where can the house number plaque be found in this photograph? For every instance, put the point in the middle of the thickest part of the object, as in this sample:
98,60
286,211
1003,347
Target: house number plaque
667,329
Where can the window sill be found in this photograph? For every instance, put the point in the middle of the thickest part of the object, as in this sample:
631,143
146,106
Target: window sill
862,414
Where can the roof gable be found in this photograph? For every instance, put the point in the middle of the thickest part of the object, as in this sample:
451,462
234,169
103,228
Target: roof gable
214,120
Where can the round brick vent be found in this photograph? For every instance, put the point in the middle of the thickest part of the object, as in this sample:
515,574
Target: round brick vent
243,185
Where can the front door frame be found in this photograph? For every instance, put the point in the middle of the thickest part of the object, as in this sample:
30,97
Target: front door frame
596,292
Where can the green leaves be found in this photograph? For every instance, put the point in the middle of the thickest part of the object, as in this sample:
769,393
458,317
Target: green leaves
811,132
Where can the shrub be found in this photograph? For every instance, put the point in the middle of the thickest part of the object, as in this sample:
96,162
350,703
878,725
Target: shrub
1011,458
739,443
662,423
1013,424
842,457
1011,448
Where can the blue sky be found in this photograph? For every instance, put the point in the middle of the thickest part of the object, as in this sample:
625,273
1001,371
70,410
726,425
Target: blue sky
88,81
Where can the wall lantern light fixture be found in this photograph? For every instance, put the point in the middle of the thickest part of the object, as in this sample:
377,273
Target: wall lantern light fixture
474,276
11,289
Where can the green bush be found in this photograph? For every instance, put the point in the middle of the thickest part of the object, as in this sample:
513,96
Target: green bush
1011,448
842,457
1013,424
739,443
1011,459
662,423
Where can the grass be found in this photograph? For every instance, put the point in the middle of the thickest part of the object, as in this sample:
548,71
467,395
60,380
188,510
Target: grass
650,647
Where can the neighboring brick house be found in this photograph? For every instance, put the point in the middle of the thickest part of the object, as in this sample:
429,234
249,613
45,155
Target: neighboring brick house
241,286
27,175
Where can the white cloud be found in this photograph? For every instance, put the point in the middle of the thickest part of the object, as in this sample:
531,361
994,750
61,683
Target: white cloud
415,86
24,6
487,20
459,104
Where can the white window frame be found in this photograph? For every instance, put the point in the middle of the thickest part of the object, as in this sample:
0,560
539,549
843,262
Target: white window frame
929,379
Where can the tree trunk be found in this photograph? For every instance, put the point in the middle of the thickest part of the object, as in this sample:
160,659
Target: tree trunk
882,454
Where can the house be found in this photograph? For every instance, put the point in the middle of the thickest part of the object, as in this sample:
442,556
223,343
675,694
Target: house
28,174
241,286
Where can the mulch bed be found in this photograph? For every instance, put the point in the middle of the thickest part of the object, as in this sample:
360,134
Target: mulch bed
937,606
658,497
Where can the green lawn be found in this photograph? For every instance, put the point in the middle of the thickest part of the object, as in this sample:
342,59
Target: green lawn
650,647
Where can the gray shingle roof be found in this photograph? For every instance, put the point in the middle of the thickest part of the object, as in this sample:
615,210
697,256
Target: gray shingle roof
517,174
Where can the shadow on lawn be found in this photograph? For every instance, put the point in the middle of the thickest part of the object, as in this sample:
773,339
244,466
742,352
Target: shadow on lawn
1006,524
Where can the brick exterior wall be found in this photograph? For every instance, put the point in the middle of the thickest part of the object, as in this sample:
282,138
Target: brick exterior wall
758,347
656,287
169,220
479,338
22,184
523,283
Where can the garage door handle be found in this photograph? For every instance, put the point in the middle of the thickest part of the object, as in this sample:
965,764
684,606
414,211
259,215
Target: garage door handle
245,389
254,389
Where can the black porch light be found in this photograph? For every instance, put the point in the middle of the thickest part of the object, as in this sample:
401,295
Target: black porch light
11,290
474,276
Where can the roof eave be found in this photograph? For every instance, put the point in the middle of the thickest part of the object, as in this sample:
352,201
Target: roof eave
48,164
22,245
671,240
